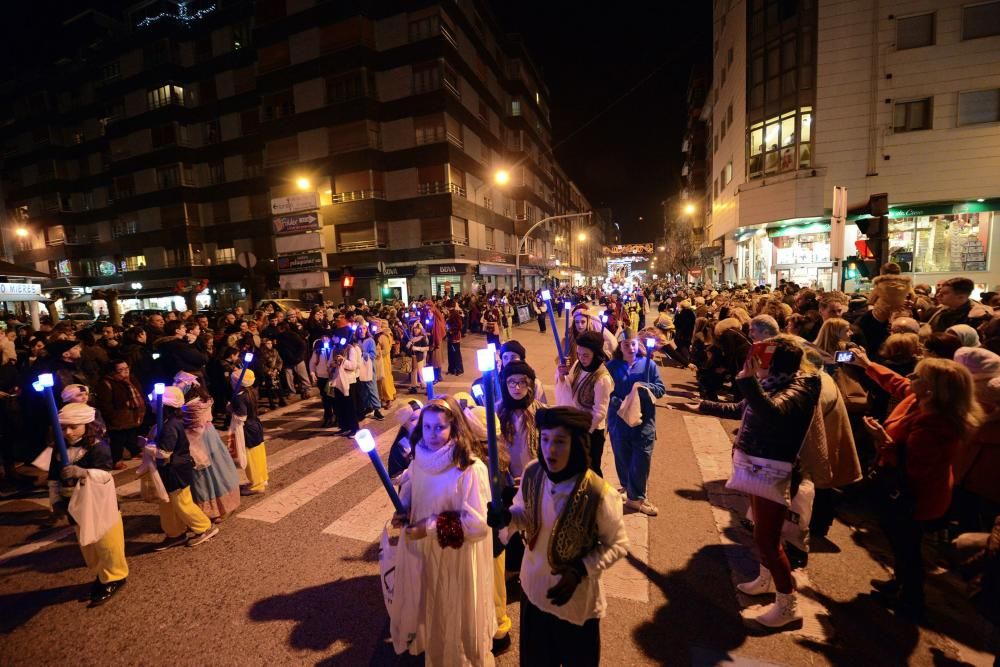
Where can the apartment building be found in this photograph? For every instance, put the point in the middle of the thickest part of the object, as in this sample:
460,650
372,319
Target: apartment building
895,96
202,148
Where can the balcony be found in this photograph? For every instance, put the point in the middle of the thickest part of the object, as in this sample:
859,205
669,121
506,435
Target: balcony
455,139
367,244
446,33
448,240
356,195
439,188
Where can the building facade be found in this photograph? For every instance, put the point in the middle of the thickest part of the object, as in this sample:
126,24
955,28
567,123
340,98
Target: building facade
198,150
901,97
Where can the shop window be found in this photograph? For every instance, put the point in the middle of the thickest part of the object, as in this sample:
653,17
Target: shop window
941,243
982,20
979,106
915,31
913,115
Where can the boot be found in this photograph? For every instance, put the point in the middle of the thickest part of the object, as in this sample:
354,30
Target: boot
762,585
784,611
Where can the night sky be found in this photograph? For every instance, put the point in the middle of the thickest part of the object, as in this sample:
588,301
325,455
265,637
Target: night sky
591,53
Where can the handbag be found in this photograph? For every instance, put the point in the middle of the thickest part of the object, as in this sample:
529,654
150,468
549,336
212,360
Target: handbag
761,477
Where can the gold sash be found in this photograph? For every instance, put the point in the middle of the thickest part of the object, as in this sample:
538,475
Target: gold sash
575,532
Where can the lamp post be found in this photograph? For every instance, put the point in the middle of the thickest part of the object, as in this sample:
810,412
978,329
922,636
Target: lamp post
522,241
487,362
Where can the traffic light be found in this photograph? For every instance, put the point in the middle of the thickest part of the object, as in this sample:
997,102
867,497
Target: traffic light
348,282
386,290
875,226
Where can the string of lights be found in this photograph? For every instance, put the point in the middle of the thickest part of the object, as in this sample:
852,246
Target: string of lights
182,16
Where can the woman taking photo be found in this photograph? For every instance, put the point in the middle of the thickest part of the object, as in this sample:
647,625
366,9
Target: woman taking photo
775,393
937,409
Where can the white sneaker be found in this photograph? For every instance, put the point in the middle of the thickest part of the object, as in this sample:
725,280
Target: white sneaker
201,538
644,506
762,585
784,611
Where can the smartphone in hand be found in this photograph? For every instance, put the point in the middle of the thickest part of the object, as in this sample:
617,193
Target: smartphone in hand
763,350
844,357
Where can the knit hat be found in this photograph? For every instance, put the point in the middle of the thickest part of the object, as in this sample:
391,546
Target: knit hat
517,368
57,347
966,334
74,414
515,347
75,393
593,341
248,377
981,363
173,397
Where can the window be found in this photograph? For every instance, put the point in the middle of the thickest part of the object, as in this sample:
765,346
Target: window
168,177
111,71
781,143
164,135
133,263
913,115
722,77
213,132
451,81
164,95
220,211
515,107
249,122
424,28
253,165
729,114
124,227
426,77
225,255
278,105
915,31
241,35
350,86
729,56
123,187
484,112
216,172
429,129
715,189
727,173
979,106
981,20
952,243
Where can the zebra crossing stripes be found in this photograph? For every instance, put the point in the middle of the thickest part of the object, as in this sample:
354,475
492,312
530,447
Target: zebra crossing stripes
365,520
280,504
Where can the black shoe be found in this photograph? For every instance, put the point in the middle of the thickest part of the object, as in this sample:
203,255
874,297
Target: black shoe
378,415
170,542
349,434
502,645
107,592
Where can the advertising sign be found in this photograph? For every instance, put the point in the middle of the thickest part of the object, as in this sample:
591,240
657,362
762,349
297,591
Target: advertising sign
311,260
20,291
297,224
306,201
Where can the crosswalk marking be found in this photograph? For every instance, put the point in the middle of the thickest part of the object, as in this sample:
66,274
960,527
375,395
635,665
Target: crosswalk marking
297,449
365,520
36,545
623,579
279,505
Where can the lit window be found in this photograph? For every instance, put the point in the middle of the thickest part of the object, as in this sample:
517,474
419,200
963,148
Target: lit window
979,106
134,263
164,95
727,173
225,255
913,115
515,107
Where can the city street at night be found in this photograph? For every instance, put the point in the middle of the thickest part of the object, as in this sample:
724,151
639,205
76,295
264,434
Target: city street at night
293,577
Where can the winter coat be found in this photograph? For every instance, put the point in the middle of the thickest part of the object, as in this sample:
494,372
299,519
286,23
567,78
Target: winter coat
791,406
831,461
977,463
930,444
121,403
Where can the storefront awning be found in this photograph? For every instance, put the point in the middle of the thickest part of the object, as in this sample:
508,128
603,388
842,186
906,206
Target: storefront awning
796,230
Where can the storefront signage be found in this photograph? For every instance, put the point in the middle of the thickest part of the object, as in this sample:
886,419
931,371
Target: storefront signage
629,249
306,201
407,271
495,270
106,268
302,261
297,224
447,269
797,230
400,271
20,291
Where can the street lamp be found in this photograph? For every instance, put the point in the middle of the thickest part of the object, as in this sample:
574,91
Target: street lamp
581,237
21,232
303,183
523,241
689,209
500,177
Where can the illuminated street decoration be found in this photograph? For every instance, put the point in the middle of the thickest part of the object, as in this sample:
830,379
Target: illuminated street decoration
182,15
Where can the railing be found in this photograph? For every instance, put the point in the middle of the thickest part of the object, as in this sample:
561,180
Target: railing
356,195
491,246
446,33
455,139
367,244
454,89
439,188
450,240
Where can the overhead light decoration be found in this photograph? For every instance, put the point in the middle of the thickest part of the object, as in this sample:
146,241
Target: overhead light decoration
182,16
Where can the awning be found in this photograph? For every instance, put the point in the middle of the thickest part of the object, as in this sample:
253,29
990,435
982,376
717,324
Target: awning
83,298
15,271
796,230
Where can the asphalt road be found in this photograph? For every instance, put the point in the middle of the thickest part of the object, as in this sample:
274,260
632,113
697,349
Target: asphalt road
293,577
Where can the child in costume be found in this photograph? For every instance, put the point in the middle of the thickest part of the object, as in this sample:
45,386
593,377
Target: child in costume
93,504
246,434
573,531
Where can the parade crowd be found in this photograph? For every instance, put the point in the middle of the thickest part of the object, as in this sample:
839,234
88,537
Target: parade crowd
886,401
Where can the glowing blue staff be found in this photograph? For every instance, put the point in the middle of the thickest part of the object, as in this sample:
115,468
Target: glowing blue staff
604,321
247,358
567,306
547,297
487,362
427,373
477,393
158,389
44,385
367,444
650,344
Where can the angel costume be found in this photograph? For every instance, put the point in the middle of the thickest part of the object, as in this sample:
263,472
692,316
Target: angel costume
443,602
216,483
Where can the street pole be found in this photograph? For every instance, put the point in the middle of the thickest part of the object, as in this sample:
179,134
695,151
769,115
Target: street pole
522,241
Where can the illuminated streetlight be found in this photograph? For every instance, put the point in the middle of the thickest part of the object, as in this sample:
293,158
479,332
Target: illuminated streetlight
582,236
21,231
689,209
303,183
502,177
662,248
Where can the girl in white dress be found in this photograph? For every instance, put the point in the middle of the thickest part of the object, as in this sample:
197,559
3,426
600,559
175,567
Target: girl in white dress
443,603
